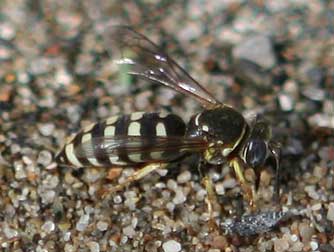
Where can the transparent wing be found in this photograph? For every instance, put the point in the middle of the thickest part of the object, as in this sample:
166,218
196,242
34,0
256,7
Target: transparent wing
114,146
145,59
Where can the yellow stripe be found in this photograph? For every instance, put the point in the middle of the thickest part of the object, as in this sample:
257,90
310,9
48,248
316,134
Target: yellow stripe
69,152
85,138
136,116
134,129
89,127
111,120
109,131
160,129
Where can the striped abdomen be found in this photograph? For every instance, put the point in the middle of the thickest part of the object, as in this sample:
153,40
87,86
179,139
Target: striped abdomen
126,139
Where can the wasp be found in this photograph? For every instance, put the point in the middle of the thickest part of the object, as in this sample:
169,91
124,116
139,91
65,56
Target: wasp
218,134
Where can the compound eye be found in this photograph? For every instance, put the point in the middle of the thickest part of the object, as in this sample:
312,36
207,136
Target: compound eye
256,152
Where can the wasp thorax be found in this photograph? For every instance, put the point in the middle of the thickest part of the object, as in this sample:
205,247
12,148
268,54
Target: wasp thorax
223,128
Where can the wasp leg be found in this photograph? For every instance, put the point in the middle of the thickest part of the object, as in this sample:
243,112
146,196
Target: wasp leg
211,200
274,148
142,172
249,191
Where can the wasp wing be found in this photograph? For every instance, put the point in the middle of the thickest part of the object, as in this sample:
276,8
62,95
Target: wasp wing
145,59
137,149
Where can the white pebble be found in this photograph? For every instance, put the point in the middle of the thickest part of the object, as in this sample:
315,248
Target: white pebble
171,184
220,189
171,246
48,227
314,245
330,213
82,223
129,231
102,226
94,246
184,177
229,183
179,197
294,238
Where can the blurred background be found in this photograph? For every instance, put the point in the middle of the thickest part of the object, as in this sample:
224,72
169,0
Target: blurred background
274,58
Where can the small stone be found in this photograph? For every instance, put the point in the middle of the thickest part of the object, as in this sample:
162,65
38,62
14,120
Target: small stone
294,238
171,246
305,231
311,192
286,102
94,246
257,49
46,129
281,245
229,183
114,173
330,212
69,248
82,223
129,231
179,197
220,189
44,158
314,245
184,177
315,94
297,246
316,207
219,242
48,196
7,31
9,232
117,199
102,226
48,227
172,185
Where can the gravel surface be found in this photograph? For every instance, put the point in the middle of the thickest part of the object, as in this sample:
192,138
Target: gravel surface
274,58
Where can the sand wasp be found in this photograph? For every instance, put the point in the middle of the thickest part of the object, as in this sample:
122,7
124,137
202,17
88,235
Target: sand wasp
150,141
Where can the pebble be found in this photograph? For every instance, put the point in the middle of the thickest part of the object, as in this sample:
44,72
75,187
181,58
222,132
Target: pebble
9,232
220,189
48,227
102,226
281,245
314,245
69,248
315,94
330,212
46,129
172,185
297,246
229,183
305,231
310,190
5,52
82,223
257,49
179,197
7,31
129,231
44,158
286,102
171,246
94,246
184,177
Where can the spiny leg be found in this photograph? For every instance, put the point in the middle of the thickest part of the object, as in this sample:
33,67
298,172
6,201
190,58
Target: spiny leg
211,200
274,148
250,194
142,172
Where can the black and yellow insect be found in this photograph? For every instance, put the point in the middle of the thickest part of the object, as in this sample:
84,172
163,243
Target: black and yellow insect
219,133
